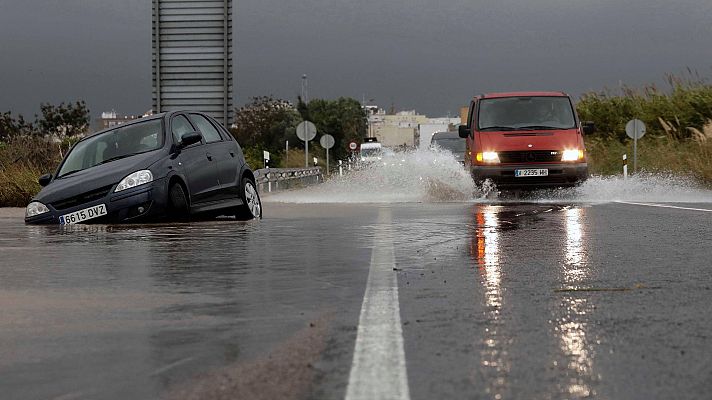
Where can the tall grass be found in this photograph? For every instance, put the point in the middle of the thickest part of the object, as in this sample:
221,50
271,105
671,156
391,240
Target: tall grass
656,154
22,161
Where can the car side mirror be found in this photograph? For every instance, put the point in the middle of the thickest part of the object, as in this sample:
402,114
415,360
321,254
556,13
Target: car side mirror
45,179
189,138
588,127
463,131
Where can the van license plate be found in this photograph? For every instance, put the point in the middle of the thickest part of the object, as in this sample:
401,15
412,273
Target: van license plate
522,173
83,215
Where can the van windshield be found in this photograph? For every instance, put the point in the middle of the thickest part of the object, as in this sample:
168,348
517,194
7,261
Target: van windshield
526,113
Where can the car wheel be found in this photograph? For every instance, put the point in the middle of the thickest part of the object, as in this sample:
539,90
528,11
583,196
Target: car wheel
251,207
177,202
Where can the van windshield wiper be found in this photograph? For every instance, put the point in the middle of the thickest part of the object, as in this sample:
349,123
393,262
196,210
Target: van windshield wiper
539,127
498,128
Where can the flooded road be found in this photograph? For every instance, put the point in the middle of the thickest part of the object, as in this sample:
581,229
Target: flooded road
495,300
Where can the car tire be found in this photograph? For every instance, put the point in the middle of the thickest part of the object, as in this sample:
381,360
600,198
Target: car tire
251,207
177,202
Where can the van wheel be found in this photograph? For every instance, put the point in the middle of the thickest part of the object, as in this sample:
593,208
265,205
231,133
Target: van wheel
177,202
251,207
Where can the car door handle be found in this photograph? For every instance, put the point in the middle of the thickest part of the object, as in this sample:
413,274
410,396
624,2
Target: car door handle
232,153
210,156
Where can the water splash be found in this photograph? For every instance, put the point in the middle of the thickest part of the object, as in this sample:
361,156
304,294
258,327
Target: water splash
435,176
642,187
405,177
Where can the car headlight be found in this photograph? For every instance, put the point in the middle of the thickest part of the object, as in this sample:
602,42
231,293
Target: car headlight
35,208
572,155
136,179
488,157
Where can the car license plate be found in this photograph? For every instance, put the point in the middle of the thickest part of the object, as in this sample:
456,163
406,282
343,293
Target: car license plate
83,215
521,173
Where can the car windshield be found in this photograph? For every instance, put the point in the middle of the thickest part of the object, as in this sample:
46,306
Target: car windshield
372,152
455,145
510,113
112,145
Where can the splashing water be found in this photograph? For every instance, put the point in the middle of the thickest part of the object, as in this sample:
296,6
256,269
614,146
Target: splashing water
643,187
436,176
405,177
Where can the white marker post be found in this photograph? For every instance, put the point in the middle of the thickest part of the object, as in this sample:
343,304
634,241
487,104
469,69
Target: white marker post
341,169
265,155
625,166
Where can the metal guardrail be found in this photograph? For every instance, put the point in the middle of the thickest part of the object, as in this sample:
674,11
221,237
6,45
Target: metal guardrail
272,179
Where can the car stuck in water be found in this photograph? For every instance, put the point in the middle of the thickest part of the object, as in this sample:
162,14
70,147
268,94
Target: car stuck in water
170,165
525,140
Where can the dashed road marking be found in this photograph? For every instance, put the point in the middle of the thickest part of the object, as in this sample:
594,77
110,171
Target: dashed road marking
378,370
665,206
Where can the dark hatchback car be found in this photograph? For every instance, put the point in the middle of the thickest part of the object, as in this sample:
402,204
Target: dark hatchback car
169,165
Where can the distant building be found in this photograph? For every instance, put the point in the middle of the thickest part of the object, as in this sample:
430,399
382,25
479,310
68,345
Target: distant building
394,130
110,119
405,128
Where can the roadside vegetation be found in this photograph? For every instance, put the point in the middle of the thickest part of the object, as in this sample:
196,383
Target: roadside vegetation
678,123
31,149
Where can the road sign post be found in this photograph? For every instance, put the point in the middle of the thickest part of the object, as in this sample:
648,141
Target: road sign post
635,129
306,131
327,142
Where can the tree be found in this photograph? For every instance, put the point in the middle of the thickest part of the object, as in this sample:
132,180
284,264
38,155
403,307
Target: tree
12,127
343,118
64,120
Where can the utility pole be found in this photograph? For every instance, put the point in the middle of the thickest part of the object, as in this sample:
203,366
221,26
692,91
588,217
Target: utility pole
305,89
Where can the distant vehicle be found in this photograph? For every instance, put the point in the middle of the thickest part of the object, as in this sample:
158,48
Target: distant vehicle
525,139
371,151
450,141
172,164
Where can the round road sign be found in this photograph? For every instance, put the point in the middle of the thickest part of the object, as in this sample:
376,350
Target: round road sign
327,141
306,131
353,146
635,129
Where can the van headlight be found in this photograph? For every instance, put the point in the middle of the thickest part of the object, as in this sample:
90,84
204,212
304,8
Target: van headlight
35,208
572,155
138,178
488,157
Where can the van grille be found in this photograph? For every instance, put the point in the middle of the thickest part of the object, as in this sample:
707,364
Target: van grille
512,157
82,198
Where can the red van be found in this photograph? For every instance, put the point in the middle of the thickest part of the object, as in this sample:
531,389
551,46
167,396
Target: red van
525,139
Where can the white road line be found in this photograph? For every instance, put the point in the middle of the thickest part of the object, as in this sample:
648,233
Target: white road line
378,370
665,206
170,366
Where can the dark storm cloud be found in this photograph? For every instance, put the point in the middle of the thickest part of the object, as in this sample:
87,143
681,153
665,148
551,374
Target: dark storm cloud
427,55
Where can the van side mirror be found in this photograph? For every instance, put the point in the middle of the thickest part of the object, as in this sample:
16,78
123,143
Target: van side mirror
588,127
189,138
463,131
45,179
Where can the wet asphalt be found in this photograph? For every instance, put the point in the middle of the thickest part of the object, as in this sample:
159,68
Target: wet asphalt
497,301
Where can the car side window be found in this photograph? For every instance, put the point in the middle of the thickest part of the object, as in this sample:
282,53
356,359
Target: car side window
206,128
180,126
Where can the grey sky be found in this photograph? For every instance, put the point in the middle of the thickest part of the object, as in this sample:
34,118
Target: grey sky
417,54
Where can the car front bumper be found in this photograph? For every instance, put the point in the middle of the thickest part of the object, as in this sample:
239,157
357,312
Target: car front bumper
139,203
560,175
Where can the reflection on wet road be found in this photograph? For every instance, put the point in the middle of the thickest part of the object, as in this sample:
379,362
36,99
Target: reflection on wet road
515,300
